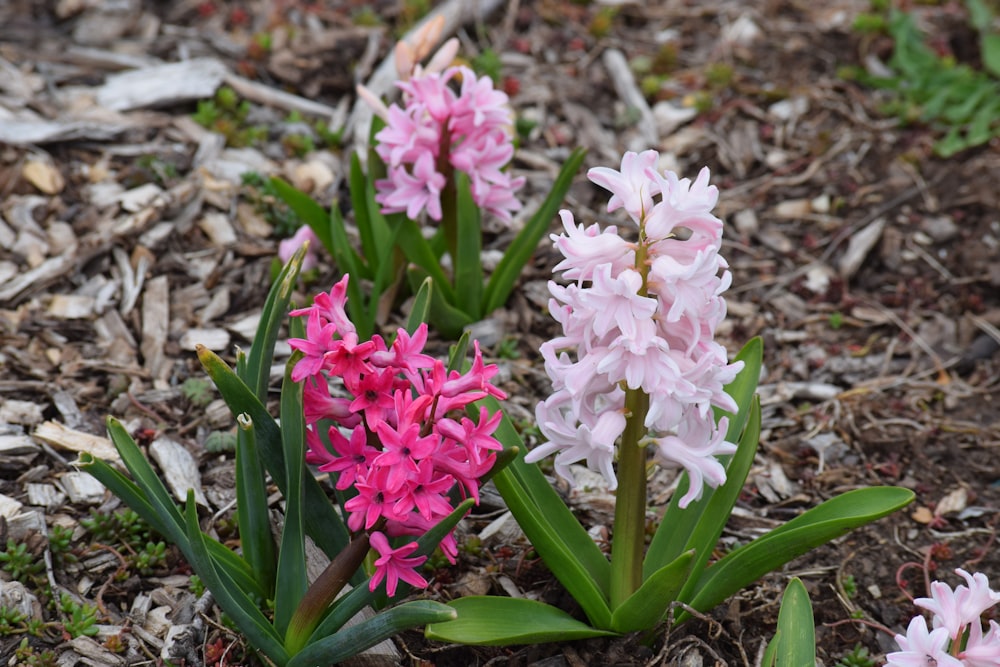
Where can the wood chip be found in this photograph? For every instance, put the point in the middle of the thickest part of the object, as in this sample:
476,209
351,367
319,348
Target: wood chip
859,246
162,85
42,174
34,132
63,437
623,80
180,471
136,199
17,445
216,340
218,229
82,487
9,507
155,323
71,306
27,413
39,276
45,495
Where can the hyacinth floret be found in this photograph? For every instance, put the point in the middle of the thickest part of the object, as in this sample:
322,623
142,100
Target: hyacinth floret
400,436
641,315
440,128
957,638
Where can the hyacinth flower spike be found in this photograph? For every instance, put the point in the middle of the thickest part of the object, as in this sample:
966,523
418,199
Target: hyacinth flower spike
638,378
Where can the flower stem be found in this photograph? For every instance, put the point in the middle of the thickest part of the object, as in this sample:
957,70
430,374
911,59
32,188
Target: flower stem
322,592
629,536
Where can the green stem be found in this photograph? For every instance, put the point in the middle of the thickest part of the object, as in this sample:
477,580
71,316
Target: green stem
323,592
629,538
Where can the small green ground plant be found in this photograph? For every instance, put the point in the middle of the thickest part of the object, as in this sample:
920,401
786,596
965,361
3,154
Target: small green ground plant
956,100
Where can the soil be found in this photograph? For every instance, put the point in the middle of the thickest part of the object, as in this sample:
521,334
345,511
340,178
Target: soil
879,364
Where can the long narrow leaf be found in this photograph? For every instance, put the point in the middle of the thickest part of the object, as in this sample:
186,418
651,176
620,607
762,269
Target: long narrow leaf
527,479
674,534
150,483
252,514
355,639
421,306
561,560
500,621
830,520
322,522
444,316
305,208
418,250
230,598
794,643
509,269
468,261
291,578
272,316
706,534
165,518
371,224
650,602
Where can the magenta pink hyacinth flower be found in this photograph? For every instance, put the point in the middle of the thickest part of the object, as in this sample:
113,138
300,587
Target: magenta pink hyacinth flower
401,438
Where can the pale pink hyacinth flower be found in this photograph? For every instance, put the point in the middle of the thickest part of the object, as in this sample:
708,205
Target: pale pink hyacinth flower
957,639
646,327
289,246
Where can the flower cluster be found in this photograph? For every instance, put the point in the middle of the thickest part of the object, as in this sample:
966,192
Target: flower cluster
400,439
303,234
439,130
641,315
957,639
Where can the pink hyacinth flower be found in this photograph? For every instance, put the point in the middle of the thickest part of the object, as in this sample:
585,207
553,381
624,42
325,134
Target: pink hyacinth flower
394,565
922,647
303,234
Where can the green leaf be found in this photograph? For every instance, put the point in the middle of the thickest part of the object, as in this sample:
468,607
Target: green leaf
554,521
519,252
980,16
468,261
421,306
989,48
163,515
552,528
677,526
271,318
306,209
952,143
252,511
650,602
291,577
444,316
373,229
830,520
456,353
716,513
322,522
229,596
794,642
499,621
418,251
982,126
353,640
